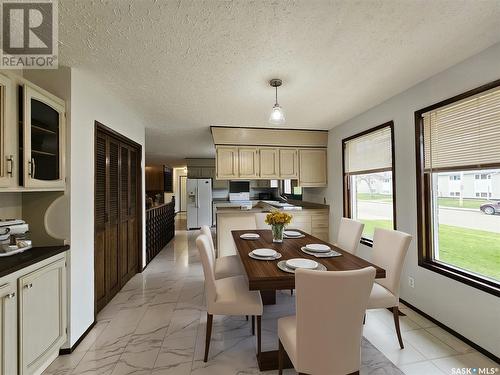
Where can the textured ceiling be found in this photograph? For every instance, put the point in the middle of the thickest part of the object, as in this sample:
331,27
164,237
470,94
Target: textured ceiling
186,65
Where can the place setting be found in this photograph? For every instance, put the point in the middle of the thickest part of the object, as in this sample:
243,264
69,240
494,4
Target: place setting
250,236
292,234
264,254
319,250
291,265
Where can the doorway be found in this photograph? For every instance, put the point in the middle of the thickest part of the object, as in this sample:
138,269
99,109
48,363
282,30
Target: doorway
182,193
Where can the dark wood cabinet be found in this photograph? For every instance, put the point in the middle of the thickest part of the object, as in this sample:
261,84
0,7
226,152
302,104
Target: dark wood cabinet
117,217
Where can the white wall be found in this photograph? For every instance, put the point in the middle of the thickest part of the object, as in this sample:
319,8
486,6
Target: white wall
469,311
177,173
87,101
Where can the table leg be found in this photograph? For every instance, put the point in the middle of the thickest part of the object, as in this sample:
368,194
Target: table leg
268,297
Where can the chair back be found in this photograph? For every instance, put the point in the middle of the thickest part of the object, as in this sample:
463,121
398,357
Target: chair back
207,261
349,234
260,221
389,252
205,229
330,311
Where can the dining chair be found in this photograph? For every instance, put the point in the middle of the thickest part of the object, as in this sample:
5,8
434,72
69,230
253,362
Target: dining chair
228,296
260,221
349,235
389,252
226,266
324,337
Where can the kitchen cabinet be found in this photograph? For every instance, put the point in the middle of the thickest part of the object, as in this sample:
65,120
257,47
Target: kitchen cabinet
43,134
7,133
312,167
269,163
194,172
227,162
42,315
8,328
288,163
248,162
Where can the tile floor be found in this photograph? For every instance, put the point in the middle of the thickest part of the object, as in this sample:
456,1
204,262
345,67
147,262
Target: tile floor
156,325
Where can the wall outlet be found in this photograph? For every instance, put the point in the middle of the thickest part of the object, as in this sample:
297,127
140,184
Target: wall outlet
411,282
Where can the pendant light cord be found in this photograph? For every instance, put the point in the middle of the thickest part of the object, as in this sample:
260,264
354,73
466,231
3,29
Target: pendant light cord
276,87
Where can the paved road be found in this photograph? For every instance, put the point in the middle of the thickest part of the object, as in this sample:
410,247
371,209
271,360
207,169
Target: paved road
449,216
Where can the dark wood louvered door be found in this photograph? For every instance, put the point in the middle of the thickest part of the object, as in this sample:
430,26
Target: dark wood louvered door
117,214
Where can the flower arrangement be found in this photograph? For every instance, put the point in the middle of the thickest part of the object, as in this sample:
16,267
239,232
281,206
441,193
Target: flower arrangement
277,220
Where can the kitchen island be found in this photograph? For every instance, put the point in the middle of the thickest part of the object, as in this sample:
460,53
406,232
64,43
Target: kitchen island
309,217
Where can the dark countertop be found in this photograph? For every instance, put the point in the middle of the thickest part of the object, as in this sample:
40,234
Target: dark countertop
34,255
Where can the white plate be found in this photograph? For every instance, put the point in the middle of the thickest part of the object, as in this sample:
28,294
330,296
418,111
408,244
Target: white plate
302,263
318,248
249,236
277,256
292,233
265,253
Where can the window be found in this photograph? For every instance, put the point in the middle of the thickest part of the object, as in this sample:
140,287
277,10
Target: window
455,177
459,235
369,183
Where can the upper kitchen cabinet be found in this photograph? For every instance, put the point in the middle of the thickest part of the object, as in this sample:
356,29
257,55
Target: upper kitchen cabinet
42,133
227,163
269,163
312,167
248,162
288,163
7,133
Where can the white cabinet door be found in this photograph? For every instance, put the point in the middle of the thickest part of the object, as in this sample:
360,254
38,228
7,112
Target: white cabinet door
312,167
289,163
269,162
42,315
226,162
8,329
248,162
44,140
8,131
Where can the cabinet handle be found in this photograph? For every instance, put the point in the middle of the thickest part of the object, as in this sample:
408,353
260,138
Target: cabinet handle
10,165
10,295
29,286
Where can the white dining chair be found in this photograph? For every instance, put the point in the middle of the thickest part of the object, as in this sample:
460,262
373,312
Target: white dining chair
350,232
260,221
228,296
389,252
223,266
324,337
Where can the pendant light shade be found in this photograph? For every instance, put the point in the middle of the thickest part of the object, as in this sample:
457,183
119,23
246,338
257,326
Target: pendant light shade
277,116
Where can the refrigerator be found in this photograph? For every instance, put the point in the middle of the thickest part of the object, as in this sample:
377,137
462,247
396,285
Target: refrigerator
199,202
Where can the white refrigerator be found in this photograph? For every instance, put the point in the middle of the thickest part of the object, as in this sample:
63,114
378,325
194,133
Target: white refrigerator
199,202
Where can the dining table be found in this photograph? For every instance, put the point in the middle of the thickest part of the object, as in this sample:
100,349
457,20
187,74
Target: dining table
266,277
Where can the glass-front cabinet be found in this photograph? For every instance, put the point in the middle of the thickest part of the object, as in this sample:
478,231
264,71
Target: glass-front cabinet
7,133
42,132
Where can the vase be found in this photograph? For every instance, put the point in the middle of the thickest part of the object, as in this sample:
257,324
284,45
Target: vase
277,230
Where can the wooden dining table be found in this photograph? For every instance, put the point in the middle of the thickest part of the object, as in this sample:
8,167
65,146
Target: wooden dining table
266,277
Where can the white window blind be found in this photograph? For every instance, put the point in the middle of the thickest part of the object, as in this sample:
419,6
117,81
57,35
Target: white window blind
369,152
463,134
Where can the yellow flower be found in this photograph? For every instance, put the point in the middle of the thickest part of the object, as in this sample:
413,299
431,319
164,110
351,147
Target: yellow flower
276,217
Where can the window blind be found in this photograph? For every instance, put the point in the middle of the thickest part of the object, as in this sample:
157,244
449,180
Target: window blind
463,134
369,152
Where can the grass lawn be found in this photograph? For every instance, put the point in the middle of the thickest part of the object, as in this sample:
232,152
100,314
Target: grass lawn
374,197
466,203
474,250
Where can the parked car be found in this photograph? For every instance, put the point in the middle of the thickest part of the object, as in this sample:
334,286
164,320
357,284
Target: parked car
491,207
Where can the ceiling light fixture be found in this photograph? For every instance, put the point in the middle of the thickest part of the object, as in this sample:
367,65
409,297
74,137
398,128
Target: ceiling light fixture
277,114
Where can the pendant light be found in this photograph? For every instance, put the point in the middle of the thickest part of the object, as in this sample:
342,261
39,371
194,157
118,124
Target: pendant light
277,116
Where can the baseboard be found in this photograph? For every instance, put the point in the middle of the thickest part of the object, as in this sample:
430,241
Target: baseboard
70,350
453,332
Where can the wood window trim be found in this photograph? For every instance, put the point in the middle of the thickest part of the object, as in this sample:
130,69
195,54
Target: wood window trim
424,211
345,176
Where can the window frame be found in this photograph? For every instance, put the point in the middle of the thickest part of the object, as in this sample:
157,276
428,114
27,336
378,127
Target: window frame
345,176
424,209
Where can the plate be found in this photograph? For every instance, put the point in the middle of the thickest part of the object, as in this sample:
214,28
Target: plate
318,248
292,233
249,236
265,253
330,254
277,256
301,263
282,266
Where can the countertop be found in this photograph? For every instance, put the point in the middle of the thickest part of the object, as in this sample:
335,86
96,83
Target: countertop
264,207
34,255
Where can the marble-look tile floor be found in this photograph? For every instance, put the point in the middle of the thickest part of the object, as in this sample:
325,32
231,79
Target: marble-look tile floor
156,325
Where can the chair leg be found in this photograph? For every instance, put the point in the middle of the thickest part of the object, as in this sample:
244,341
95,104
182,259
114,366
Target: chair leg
259,335
291,292
281,356
247,318
395,313
364,319
208,335
253,325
